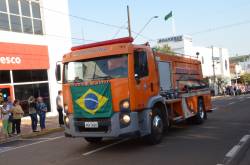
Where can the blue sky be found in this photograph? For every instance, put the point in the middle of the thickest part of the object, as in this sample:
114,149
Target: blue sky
190,16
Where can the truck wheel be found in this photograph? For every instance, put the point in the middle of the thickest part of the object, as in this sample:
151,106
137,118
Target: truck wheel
157,127
93,139
201,114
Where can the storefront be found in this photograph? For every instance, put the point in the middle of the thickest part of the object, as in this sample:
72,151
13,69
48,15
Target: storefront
24,72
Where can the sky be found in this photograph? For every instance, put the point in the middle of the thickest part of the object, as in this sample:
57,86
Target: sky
221,23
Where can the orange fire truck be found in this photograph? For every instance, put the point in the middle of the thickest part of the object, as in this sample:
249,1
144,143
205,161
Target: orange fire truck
115,88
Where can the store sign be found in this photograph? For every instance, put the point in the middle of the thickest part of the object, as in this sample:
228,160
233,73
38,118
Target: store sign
10,60
23,56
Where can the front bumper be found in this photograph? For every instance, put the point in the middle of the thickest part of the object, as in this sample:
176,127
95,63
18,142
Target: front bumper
140,123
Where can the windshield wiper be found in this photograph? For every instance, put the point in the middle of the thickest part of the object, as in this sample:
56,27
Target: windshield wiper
107,77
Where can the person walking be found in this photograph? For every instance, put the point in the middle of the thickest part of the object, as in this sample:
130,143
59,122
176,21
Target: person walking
59,105
33,113
5,112
17,116
41,109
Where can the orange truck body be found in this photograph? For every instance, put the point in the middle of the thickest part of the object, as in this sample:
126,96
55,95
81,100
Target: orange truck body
170,83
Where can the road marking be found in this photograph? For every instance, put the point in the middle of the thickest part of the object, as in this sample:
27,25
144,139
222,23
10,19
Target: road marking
231,103
104,147
244,138
233,151
3,149
31,144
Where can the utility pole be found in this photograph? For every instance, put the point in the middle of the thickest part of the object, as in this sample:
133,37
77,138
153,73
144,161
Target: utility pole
213,66
129,27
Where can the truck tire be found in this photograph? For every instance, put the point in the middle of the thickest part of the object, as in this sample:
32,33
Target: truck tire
157,127
93,140
201,113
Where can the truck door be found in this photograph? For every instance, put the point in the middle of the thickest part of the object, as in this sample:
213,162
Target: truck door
142,87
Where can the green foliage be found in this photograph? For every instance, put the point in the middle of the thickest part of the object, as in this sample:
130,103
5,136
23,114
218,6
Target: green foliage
164,49
245,78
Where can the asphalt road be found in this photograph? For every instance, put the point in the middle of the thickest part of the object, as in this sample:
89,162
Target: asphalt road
187,144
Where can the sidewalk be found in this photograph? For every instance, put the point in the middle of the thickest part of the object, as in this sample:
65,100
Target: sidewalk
26,131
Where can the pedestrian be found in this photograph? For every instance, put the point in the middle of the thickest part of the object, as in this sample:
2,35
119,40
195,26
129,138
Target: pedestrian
10,106
17,116
7,126
59,105
33,113
41,109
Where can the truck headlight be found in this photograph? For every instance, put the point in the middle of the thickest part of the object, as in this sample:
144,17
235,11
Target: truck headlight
125,119
66,108
125,104
66,121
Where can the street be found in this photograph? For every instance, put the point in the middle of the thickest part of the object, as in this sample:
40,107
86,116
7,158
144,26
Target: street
188,144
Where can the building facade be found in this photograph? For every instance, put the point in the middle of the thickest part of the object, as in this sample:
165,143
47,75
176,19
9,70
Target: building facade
34,35
214,60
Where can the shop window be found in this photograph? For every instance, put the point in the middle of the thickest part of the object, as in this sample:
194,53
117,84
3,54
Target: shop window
15,23
4,77
29,75
4,22
25,8
38,29
27,25
23,92
36,10
13,6
3,6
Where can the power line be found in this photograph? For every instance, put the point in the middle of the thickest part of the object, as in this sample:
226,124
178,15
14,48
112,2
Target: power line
221,27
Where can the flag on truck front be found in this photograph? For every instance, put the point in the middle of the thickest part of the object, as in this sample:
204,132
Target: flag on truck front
92,101
169,15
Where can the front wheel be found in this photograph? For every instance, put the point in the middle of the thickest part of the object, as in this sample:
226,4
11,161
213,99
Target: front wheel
93,139
157,127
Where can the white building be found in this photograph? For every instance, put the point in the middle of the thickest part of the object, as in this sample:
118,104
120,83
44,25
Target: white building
34,35
209,56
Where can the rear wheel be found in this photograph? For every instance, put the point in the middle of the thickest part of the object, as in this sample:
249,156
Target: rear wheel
201,114
93,139
157,127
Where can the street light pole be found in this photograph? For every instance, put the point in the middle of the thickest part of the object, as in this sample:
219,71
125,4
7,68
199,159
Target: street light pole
145,26
213,67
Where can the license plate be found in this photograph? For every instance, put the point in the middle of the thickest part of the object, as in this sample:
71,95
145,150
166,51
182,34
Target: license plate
91,124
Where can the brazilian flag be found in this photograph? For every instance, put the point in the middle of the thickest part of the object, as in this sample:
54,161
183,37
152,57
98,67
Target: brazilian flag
92,101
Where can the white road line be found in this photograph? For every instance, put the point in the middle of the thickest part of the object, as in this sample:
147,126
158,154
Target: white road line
3,149
244,138
233,151
231,103
31,144
104,147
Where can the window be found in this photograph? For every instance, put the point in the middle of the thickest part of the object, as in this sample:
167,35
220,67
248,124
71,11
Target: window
25,8
3,6
23,92
27,25
21,16
4,22
13,6
38,29
141,63
4,77
15,23
29,75
36,10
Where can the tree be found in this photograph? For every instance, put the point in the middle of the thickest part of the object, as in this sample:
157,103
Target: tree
164,49
245,78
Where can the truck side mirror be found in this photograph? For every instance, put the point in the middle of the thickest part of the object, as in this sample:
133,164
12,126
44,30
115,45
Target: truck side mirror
58,72
137,78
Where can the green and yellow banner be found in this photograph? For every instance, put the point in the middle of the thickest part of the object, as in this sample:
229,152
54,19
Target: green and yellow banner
92,101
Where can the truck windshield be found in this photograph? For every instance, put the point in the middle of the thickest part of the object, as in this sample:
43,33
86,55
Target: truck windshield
96,69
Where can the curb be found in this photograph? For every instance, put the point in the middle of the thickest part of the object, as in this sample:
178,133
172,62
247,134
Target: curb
46,132
32,135
235,155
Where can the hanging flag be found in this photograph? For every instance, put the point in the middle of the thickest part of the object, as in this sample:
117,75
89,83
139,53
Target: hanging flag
92,101
169,15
